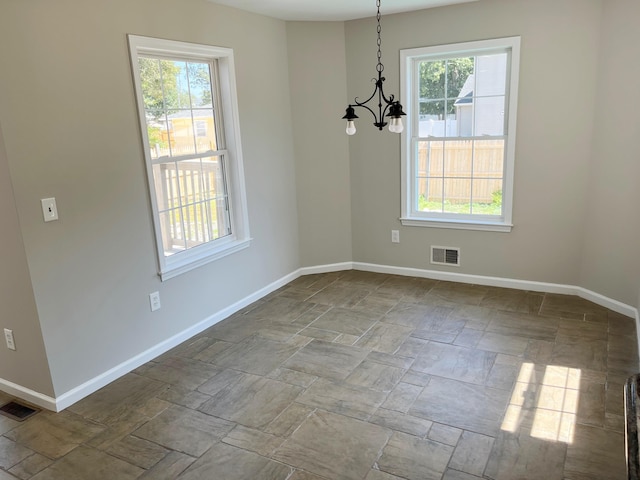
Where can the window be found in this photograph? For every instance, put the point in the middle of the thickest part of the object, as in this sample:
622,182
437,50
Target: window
189,119
201,128
458,147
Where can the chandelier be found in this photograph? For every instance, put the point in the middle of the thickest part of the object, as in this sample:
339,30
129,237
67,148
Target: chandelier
386,106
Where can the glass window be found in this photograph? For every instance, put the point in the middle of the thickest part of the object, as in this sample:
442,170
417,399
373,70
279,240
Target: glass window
459,142
193,156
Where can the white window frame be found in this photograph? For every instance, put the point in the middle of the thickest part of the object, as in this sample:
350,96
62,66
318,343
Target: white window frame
239,239
408,59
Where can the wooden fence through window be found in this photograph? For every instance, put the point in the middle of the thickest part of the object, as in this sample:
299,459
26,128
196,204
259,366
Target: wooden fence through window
461,171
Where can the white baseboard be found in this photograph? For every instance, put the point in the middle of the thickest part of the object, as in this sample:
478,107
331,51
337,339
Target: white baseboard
594,297
72,396
28,395
333,267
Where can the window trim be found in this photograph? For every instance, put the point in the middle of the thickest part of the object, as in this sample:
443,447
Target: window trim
487,223
171,266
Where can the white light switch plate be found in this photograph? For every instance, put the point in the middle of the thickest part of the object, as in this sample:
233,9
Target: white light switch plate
8,336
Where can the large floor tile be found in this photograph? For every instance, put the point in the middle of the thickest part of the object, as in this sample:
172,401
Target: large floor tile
343,398
118,399
54,435
184,430
225,462
472,453
326,359
533,327
595,453
84,463
510,300
450,361
414,315
413,458
334,446
182,372
384,337
12,453
250,400
469,407
520,456
375,376
255,355
345,320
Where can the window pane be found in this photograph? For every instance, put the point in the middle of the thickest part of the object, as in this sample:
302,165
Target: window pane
190,181
431,119
492,75
213,178
430,159
488,159
175,85
458,158
432,79
172,234
205,130
166,186
430,197
487,197
460,78
157,133
219,218
196,224
200,84
181,132
457,195
151,83
489,116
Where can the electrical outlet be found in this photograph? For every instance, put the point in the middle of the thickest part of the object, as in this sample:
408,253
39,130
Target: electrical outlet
395,236
8,336
49,209
154,301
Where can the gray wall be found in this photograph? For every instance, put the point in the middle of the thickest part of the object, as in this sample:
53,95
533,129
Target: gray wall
559,57
318,79
27,365
71,131
611,260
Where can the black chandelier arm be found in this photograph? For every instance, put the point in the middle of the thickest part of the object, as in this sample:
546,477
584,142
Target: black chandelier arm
388,102
375,90
357,104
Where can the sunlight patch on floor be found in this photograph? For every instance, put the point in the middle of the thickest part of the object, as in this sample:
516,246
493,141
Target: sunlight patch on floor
546,407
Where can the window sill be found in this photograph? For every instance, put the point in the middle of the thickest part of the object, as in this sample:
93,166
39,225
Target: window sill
458,224
193,261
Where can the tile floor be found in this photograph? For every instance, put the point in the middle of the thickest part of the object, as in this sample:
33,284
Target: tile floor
356,376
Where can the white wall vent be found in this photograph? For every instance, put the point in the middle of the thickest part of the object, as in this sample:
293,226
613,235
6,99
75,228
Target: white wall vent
445,256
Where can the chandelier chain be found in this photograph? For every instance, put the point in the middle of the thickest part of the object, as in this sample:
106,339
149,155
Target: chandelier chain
379,66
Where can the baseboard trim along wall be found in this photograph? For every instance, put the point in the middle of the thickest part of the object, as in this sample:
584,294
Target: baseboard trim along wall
28,395
74,395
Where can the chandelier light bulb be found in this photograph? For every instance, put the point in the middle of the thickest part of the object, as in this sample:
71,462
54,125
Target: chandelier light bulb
351,127
399,125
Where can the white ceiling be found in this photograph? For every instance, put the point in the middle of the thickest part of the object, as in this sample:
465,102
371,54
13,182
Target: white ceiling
331,10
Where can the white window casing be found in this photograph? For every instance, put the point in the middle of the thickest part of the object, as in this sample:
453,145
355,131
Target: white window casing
467,127
212,195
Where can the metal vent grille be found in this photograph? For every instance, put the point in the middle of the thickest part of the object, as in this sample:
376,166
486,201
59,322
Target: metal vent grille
445,256
17,411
